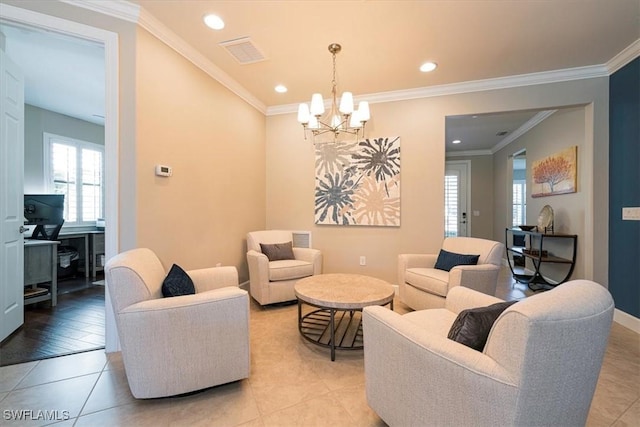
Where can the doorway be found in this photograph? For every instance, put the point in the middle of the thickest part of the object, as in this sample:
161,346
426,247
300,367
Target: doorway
109,40
519,189
456,198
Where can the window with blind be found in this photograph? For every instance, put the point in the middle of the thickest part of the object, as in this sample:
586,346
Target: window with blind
519,214
451,205
75,168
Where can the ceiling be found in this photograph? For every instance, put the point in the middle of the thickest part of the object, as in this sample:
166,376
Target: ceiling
383,44
62,74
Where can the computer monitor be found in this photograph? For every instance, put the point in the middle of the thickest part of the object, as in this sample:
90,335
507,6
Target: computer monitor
42,210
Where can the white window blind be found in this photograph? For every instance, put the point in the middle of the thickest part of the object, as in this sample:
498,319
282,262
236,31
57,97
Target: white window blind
75,168
451,205
519,214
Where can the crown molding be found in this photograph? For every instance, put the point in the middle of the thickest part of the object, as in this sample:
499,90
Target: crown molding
526,127
468,153
132,12
120,9
171,39
471,86
627,55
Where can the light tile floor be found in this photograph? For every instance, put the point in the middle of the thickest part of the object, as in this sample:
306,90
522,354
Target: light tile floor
292,383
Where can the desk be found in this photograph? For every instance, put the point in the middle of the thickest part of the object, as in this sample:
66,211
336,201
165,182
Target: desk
93,247
41,266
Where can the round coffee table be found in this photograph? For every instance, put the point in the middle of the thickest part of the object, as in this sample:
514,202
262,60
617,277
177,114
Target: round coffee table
340,298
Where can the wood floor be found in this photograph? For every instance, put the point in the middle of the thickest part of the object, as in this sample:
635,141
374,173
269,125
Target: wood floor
75,325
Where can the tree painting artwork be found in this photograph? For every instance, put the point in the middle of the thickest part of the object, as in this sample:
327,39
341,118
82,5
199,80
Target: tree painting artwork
358,183
555,174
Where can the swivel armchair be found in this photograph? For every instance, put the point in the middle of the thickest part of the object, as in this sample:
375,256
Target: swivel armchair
176,345
539,366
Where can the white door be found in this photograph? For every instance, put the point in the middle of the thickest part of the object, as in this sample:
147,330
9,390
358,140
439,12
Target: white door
456,216
11,199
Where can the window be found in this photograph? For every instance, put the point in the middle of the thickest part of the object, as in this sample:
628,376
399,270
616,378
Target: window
75,168
519,202
450,205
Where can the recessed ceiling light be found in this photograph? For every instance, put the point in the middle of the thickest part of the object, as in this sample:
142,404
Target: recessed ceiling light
456,141
281,89
214,22
428,66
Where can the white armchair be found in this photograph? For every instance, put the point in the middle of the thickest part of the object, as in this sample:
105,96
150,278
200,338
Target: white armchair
539,367
423,286
180,344
273,281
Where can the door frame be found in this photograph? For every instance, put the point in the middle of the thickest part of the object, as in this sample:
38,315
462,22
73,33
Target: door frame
109,40
466,167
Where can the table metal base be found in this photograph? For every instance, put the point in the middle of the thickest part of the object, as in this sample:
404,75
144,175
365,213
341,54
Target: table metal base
332,328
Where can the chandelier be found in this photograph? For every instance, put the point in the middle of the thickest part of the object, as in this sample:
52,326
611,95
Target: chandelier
339,119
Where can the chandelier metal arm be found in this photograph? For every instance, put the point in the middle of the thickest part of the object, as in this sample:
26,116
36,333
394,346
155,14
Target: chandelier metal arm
338,120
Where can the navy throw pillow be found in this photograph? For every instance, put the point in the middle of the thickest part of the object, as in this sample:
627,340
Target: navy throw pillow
472,326
177,283
447,260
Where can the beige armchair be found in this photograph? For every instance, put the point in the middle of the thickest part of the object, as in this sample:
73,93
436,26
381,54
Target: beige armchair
180,344
539,367
423,286
273,281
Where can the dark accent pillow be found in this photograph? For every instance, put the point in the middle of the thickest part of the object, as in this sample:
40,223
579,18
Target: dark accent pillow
447,260
472,326
278,251
177,283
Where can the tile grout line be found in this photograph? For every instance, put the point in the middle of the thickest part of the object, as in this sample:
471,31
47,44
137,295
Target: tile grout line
25,376
91,391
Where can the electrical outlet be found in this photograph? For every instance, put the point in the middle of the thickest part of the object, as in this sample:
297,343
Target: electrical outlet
363,260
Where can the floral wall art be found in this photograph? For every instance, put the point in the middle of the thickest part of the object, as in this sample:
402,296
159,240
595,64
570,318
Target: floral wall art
555,174
358,183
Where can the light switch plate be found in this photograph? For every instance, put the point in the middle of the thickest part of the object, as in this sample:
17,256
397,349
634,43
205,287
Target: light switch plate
631,214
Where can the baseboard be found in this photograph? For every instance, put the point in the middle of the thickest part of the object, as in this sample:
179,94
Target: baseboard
627,320
244,285
397,289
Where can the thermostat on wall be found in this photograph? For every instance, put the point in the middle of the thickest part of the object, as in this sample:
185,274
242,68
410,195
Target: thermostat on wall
162,170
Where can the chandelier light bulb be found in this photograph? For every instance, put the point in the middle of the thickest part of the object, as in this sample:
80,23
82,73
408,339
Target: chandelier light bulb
303,114
313,123
346,103
335,121
355,122
317,104
363,111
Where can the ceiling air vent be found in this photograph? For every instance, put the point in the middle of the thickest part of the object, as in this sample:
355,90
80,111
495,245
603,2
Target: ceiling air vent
243,50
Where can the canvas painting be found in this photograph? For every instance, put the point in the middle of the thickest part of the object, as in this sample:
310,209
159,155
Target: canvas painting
556,174
358,183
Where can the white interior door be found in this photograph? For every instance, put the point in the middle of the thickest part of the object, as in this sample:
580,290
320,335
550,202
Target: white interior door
11,199
456,194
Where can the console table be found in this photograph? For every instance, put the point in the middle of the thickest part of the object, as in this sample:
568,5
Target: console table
536,250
